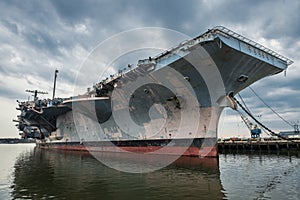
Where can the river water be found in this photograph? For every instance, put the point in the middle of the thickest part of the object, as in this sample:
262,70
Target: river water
31,173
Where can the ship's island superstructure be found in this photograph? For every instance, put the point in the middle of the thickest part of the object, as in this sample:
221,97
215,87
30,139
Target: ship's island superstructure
215,65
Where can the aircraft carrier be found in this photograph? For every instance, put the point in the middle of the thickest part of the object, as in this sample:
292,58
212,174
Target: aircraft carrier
167,104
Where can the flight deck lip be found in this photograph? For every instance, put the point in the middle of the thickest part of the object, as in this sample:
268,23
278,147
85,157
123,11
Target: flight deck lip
224,35
248,41
84,99
219,32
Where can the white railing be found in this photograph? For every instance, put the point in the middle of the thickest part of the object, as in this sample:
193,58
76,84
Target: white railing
251,42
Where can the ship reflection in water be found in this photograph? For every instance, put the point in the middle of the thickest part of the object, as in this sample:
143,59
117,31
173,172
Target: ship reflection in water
44,174
78,175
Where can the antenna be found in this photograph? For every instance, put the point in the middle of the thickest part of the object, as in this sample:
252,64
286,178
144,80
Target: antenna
35,93
54,87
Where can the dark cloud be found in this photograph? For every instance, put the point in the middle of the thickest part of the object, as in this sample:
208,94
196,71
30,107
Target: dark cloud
167,13
122,15
282,22
42,41
74,11
39,36
11,26
2,70
11,93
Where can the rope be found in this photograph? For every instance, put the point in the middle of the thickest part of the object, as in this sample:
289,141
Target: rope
271,108
258,122
249,111
243,102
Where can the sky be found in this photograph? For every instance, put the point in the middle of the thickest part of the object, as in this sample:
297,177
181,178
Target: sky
37,37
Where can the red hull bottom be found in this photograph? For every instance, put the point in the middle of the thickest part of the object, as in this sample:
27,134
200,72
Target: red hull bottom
208,151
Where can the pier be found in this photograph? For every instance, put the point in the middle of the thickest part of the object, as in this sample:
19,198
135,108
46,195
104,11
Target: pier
259,146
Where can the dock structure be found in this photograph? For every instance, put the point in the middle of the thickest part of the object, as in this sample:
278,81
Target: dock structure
259,146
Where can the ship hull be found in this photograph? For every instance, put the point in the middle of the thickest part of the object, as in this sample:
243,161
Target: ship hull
169,104
198,147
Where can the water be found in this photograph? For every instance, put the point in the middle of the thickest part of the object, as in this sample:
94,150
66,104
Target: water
29,173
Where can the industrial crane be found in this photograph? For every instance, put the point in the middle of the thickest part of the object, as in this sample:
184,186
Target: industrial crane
255,130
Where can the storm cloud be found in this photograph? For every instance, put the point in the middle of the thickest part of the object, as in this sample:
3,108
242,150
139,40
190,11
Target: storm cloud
38,37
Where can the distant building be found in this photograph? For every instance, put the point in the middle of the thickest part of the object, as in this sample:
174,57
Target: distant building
290,134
